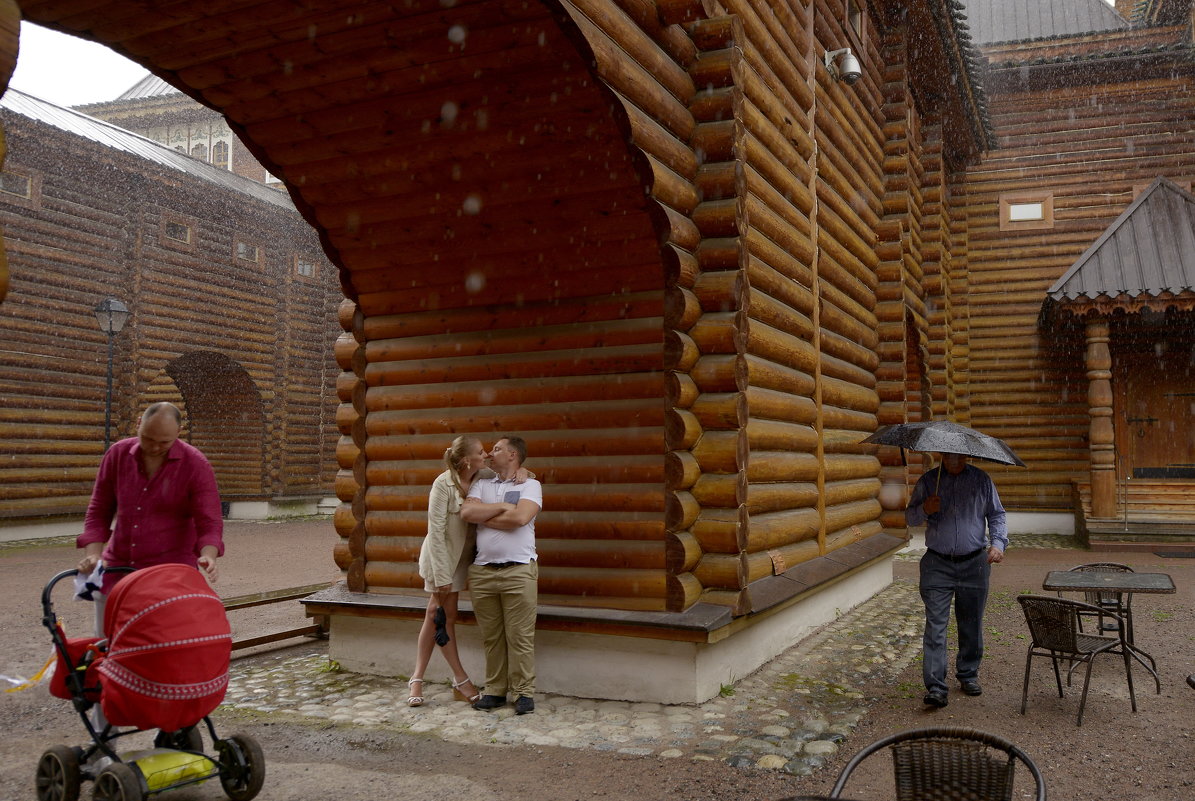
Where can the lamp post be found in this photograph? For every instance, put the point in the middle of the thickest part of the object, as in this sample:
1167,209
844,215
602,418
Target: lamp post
112,315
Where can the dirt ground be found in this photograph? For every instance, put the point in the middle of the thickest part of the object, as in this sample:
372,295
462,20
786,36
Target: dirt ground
1148,756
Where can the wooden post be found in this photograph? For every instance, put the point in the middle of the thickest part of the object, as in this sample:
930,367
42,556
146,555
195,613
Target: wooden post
1102,439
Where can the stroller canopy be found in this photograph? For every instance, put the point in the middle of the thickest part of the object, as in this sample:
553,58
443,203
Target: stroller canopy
168,649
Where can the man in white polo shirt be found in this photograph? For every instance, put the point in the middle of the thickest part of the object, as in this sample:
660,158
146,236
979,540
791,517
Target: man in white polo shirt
503,579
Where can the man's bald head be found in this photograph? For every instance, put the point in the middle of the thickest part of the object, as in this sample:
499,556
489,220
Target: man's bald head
162,407
159,428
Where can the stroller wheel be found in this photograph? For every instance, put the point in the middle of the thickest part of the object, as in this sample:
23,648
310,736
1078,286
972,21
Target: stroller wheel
58,774
118,782
242,767
188,739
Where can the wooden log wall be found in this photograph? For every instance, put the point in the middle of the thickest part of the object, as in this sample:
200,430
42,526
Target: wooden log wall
850,140
900,307
764,471
1088,145
541,319
93,230
937,269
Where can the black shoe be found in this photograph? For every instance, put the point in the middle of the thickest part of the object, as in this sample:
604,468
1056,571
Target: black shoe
971,687
524,705
488,702
936,698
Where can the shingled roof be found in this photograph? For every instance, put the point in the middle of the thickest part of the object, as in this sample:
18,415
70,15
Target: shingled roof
1148,250
1019,20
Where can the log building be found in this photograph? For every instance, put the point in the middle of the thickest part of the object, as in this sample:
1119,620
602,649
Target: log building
233,308
662,240
665,242
1078,345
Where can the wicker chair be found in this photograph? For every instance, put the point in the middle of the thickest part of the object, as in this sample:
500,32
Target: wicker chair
1119,602
949,764
1055,633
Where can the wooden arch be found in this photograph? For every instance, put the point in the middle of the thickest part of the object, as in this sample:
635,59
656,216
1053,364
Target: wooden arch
225,418
468,168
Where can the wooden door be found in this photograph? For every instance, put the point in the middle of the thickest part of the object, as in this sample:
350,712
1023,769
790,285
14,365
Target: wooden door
1155,421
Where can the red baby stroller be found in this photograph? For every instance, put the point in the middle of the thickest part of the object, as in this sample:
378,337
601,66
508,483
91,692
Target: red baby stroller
163,664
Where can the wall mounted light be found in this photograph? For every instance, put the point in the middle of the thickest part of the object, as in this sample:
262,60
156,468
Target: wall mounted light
843,65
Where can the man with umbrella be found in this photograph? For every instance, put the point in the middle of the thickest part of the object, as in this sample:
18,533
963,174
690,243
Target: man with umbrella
961,509
965,533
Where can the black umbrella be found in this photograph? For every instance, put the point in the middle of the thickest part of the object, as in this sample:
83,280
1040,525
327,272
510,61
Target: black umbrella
943,436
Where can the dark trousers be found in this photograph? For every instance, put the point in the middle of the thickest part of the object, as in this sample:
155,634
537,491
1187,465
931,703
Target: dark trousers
966,584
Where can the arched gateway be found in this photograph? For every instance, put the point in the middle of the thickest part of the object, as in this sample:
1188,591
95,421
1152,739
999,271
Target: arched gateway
651,237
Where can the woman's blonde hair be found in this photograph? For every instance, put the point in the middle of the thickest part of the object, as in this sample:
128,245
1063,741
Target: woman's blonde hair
455,455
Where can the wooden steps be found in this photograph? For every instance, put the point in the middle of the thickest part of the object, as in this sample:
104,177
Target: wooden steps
1155,515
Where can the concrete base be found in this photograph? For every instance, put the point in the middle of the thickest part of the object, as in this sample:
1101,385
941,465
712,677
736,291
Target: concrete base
618,667
277,507
41,531
1041,523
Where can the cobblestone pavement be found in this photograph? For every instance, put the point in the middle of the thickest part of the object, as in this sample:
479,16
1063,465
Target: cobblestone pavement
788,715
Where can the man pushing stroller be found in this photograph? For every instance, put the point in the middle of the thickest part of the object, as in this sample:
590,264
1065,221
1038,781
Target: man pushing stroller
162,493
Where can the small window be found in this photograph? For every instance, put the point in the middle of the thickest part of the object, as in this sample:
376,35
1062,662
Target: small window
1020,212
854,18
1026,211
199,152
20,186
14,183
177,231
305,267
220,155
247,252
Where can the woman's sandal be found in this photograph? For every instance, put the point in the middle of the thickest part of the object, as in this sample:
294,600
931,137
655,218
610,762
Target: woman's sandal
460,696
415,700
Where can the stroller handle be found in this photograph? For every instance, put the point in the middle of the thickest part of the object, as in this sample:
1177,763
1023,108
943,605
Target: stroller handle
47,603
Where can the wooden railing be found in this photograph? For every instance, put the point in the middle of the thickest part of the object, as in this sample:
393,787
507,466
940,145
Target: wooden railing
1160,500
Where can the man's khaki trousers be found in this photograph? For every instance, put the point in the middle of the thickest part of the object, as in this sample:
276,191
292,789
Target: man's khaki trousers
504,602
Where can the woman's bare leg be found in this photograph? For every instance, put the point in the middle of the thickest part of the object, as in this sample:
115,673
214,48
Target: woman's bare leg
423,646
451,654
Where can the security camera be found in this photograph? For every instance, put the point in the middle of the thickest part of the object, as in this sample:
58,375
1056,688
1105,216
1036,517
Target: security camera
843,66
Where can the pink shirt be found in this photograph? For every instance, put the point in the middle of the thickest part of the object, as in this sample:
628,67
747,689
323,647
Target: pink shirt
165,519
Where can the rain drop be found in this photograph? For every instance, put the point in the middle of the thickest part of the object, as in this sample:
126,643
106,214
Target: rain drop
448,112
472,204
457,34
474,282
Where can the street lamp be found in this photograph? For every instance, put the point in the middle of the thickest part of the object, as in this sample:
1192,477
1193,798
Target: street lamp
112,315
